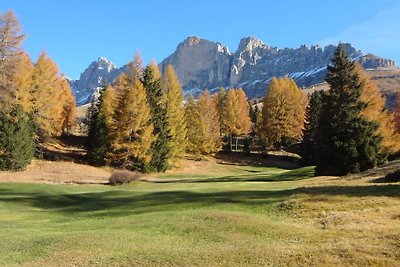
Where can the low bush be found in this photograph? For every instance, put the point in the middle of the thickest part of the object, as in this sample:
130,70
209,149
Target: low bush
123,177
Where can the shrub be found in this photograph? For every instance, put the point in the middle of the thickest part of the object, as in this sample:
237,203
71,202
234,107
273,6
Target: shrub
123,177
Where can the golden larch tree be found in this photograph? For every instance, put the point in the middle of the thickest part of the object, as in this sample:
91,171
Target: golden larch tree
243,113
11,39
376,111
210,125
175,113
203,125
121,82
219,101
46,97
22,81
282,114
396,113
135,68
132,136
68,115
236,115
193,124
108,105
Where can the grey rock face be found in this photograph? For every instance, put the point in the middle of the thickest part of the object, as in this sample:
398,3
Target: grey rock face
100,71
370,61
201,64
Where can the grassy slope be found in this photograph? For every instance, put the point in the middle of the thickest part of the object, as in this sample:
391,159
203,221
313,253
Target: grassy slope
225,215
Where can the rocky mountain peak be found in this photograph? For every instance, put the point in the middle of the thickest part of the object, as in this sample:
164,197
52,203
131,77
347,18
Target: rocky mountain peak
193,40
101,63
250,43
197,56
99,71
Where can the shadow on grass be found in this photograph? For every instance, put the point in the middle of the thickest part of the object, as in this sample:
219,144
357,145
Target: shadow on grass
393,177
255,176
256,159
121,203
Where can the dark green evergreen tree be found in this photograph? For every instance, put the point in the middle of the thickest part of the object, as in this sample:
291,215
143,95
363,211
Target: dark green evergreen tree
346,142
17,145
98,137
161,146
308,144
254,113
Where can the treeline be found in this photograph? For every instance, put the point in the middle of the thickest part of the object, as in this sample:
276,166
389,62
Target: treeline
36,103
141,121
138,122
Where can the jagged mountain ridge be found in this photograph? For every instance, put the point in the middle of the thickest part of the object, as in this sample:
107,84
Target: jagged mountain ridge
202,64
99,71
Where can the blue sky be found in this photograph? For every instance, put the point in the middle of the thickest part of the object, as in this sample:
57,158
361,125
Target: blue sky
74,33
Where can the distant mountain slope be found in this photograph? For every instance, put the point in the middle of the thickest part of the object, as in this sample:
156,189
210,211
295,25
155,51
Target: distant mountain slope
201,64
388,81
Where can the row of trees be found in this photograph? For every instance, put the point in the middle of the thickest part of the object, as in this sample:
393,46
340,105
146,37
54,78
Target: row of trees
36,102
140,121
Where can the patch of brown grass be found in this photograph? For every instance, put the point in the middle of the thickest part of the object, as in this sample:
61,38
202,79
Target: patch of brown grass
58,172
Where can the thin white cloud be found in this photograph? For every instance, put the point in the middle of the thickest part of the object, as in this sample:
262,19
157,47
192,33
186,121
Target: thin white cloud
379,35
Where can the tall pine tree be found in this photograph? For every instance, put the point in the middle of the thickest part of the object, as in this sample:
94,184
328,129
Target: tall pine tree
346,141
100,120
308,144
161,151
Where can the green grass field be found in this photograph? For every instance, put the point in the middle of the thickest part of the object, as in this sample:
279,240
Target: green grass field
220,216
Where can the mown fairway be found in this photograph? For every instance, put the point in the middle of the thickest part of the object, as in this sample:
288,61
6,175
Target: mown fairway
225,215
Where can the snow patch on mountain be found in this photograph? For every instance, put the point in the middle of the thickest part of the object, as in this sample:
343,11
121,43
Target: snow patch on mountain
201,64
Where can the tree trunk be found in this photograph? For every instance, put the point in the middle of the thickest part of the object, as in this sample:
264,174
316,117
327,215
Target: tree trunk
236,143
230,142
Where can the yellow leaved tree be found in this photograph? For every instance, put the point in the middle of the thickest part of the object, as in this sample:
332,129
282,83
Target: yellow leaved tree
175,113
376,111
282,115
